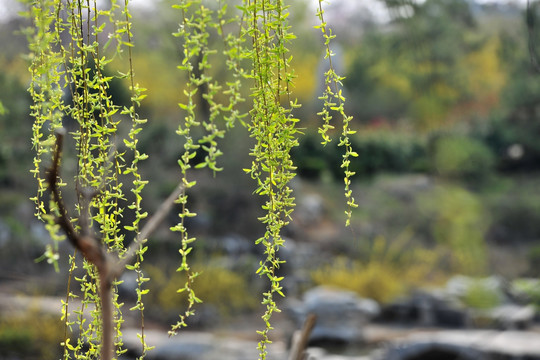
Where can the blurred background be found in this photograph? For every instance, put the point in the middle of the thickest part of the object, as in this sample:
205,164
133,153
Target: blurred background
445,96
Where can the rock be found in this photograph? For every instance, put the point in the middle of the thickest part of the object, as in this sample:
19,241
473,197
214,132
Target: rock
315,353
189,345
426,309
340,314
181,351
512,317
460,286
310,209
235,245
432,351
126,289
490,302
466,345
526,290
186,346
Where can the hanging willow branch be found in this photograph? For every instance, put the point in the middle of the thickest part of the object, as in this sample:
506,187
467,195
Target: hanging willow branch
334,101
108,265
209,107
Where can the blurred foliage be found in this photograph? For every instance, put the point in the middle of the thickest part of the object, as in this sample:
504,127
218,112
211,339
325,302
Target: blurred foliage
438,90
459,157
390,269
378,151
458,223
31,336
479,295
528,289
224,289
516,213
15,125
437,69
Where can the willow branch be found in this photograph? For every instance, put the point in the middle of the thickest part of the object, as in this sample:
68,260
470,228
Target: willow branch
87,244
149,228
108,267
52,176
92,249
105,293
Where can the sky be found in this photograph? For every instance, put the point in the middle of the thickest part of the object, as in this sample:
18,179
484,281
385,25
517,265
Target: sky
10,7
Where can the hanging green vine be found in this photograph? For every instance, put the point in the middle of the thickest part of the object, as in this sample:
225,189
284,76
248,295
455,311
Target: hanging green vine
273,127
77,67
334,101
107,156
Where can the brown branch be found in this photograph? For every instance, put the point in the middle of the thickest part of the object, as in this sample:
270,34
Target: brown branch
92,250
108,267
52,176
300,340
88,245
149,228
105,295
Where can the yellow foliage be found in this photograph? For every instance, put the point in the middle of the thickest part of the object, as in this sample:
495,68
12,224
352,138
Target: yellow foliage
17,67
486,76
429,112
305,83
385,73
33,335
392,269
222,288
162,80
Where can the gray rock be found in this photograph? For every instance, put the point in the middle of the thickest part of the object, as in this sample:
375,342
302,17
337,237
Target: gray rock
340,314
465,344
188,345
185,346
5,233
314,353
426,309
504,315
512,317
458,286
432,351
180,351
310,209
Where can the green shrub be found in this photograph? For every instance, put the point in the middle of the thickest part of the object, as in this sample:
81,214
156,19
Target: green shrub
518,213
481,296
378,151
458,222
528,289
460,157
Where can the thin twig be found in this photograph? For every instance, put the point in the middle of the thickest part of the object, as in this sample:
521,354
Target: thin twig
149,228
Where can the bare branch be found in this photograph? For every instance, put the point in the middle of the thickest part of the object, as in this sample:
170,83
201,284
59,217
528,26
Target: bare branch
300,340
88,245
149,228
52,176
92,249
105,295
